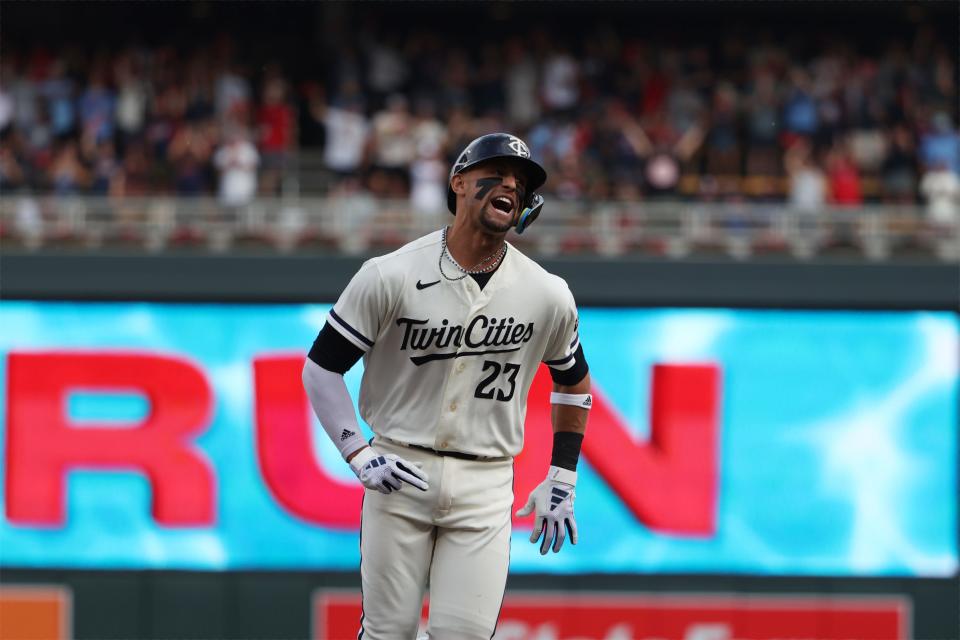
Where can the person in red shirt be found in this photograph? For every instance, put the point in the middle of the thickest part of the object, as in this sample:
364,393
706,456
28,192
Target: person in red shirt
276,124
844,178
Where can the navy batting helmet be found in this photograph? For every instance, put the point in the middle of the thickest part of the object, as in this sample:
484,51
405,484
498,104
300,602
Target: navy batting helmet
502,145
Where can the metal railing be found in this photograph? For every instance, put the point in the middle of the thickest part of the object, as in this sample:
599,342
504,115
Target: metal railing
359,224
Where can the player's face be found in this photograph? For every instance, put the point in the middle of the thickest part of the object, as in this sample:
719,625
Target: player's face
495,193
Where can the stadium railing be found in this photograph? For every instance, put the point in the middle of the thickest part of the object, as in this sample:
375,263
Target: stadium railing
359,224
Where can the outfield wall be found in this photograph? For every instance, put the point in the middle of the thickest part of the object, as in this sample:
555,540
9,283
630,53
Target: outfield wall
634,281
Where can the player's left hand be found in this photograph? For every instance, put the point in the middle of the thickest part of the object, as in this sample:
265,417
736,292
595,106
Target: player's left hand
552,500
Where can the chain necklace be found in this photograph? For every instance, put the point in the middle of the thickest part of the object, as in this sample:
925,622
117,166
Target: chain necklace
496,257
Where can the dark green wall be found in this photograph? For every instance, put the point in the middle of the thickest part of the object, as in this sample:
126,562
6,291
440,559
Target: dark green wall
593,280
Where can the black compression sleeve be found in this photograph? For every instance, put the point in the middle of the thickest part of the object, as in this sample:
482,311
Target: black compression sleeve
333,352
574,374
566,449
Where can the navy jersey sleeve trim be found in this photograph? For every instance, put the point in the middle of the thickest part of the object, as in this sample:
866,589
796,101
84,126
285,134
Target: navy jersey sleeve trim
356,334
332,351
560,362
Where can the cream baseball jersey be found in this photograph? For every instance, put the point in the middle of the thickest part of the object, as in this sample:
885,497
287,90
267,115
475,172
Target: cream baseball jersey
447,365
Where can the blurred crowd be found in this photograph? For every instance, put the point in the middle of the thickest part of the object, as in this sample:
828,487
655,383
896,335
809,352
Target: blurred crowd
817,120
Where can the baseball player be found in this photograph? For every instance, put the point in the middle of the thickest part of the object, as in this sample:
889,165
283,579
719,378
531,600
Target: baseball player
452,328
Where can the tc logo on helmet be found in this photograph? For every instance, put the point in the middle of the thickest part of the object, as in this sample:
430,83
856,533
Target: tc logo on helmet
518,147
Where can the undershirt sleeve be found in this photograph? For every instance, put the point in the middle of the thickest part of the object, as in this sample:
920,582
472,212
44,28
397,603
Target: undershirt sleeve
334,352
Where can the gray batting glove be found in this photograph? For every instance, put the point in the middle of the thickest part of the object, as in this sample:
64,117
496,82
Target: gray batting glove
386,473
552,500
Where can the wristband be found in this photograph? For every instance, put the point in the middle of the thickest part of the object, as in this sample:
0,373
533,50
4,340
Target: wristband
566,450
559,474
582,400
362,458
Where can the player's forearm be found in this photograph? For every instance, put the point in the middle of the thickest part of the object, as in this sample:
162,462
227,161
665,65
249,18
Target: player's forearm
566,417
570,408
332,405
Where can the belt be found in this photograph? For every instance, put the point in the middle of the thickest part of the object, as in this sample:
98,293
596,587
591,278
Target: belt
449,454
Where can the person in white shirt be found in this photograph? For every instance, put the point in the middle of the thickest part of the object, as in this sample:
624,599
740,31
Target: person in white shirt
348,132
941,188
394,144
428,187
237,161
560,88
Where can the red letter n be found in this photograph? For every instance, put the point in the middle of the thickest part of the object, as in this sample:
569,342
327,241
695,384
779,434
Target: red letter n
42,445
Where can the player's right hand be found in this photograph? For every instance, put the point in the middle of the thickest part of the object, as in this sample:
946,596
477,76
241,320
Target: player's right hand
386,473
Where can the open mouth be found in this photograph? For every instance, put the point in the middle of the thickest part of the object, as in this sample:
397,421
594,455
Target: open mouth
502,203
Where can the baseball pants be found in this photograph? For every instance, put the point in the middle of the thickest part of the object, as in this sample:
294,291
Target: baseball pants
455,537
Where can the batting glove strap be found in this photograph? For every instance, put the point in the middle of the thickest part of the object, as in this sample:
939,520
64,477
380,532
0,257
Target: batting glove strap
552,502
387,473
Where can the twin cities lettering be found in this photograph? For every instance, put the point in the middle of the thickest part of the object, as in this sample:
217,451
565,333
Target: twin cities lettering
487,335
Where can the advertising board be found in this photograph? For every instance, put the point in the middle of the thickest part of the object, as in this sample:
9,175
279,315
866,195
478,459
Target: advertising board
147,435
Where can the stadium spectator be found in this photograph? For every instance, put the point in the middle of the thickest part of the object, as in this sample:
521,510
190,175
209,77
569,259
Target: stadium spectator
19,99
276,121
428,178
135,179
105,170
387,70
97,105
560,87
763,123
68,174
800,116
843,177
347,135
7,110
12,174
899,168
237,160
190,152
722,141
232,95
609,148
808,184
428,131
940,146
941,188
168,111
520,85
394,146
58,91
132,97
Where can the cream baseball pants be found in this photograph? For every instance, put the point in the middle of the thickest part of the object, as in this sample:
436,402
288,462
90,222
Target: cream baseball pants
454,537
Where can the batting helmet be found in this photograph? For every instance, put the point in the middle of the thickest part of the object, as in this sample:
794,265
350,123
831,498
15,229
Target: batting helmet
502,145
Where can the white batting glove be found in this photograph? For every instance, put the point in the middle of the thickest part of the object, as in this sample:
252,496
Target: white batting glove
553,501
386,473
